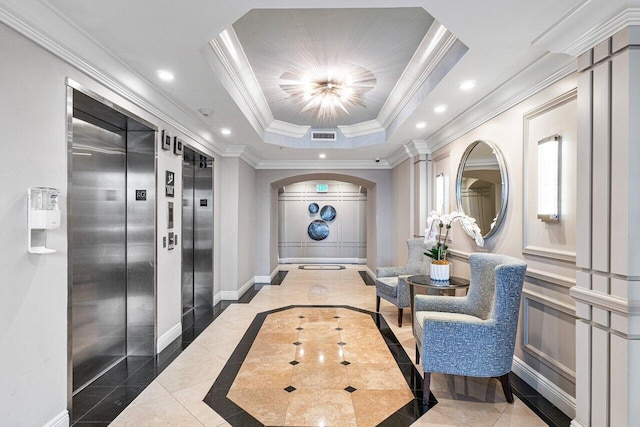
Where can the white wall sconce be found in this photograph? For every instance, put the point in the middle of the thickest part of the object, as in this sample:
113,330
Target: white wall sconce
441,194
549,172
43,214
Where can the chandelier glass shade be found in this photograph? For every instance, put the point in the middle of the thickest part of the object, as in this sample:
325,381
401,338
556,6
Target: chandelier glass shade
328,92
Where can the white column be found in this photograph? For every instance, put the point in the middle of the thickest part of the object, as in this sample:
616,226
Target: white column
607,290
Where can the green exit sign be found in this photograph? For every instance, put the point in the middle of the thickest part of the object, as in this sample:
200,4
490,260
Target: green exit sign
322,188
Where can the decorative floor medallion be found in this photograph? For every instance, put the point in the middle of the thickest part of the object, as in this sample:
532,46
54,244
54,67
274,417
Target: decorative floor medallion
318,365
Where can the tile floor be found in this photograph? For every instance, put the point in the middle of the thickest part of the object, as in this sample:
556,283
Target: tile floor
175,397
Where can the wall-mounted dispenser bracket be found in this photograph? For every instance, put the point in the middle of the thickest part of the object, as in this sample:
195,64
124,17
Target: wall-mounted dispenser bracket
43,214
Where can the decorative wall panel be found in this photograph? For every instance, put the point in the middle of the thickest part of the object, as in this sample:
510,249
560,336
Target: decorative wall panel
342,209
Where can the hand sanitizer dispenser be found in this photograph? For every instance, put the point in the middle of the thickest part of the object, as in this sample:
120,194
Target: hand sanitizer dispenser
43,214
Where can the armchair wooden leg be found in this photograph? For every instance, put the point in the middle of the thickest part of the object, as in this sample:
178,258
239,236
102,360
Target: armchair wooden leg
426,385
399,318
417,355
506,387
377,304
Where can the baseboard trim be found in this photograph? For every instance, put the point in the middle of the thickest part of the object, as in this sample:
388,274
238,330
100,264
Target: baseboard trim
574,423
217,298
169,336
554,394
60,420
235,295
322,260
371,273
266,279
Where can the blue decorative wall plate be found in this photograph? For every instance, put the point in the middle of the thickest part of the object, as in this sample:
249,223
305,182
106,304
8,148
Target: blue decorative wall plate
313,208
328,213
318,230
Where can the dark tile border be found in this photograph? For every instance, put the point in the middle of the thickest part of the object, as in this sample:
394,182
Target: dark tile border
235,415
549,413
368,280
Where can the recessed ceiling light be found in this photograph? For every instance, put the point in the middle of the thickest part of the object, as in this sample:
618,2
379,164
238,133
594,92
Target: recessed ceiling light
440,108
225,131
467,85
165,75
322,155
421,125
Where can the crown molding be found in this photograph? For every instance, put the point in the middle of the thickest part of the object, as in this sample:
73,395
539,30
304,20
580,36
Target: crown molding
50,45
323,164
432,47
586,25
243,152
417,147
287,129
517,89
360,129
398,156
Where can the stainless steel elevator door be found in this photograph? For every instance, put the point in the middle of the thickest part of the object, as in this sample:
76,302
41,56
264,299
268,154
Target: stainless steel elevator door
197,231
98,231
112,251
187,232
203,232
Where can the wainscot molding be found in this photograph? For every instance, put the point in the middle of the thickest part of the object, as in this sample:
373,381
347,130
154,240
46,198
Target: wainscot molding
60,420
566,256
169,336
600,300
544,252
550,302
556,279
459,254
554,394
322,260
540,355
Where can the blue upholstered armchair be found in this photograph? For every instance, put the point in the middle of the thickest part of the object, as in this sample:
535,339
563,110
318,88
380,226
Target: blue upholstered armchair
472,335
390,283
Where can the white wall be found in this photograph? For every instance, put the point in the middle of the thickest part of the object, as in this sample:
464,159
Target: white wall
379,207
237,227
402,178
33,289
546,346
347,232
246,224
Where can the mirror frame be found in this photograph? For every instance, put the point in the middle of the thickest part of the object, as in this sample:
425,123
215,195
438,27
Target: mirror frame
504,194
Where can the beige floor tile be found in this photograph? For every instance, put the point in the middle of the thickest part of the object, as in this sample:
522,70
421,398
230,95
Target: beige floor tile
165,411
152,392
314,352
261,376
320,407
269,406
192,399
376,376
193,366
315,376
374,406
271,353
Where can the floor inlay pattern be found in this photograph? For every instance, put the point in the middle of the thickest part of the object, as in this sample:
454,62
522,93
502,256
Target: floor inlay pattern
313,366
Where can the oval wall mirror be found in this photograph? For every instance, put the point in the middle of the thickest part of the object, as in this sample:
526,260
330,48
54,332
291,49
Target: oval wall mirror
482,187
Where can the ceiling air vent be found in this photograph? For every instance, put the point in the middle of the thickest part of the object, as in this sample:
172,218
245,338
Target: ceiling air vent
324,136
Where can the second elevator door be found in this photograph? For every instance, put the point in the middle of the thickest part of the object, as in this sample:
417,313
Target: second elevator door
197,231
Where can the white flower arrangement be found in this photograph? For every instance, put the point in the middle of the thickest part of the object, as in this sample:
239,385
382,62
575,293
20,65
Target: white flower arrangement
433,233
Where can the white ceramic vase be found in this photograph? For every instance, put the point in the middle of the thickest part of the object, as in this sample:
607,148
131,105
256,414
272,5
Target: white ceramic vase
439,272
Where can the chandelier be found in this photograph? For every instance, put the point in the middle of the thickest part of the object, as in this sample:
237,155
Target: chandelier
327,92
